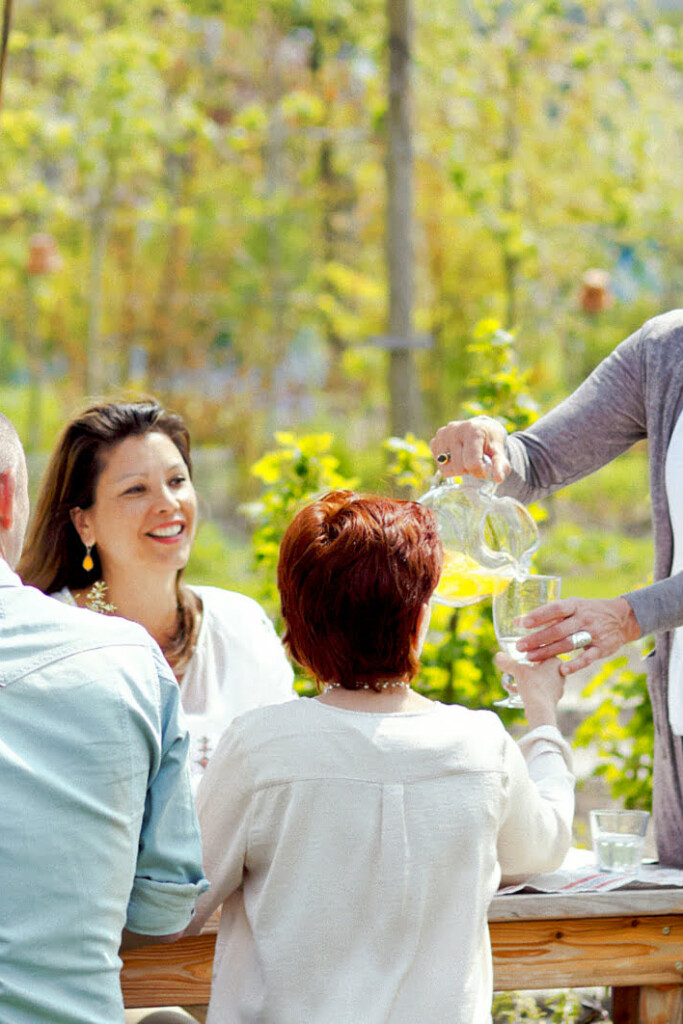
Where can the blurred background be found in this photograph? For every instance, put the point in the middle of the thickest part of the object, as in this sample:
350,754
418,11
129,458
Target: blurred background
194,203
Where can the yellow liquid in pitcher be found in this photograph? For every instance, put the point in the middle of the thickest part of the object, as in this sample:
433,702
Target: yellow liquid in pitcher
463,581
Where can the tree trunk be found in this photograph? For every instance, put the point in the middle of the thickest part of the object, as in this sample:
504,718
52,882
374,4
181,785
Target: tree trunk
405,413
95,371
33,348
275,182
163,354
4,41
508,205
94,368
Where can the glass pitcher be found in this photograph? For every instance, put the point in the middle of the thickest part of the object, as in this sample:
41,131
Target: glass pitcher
487,540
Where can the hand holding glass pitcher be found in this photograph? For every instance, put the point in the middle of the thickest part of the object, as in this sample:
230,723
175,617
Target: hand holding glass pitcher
487,540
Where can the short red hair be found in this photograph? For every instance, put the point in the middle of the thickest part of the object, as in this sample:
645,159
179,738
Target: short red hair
353,574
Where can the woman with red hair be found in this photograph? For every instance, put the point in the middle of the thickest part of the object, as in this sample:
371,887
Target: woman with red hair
354,840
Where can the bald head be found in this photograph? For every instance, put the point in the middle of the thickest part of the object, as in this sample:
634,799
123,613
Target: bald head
14,506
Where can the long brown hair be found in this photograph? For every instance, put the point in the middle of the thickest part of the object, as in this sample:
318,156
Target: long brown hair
53,553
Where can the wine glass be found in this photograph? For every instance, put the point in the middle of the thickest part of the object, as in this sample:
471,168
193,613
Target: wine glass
521,596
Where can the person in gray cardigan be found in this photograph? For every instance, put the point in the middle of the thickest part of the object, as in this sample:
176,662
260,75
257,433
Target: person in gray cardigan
635,393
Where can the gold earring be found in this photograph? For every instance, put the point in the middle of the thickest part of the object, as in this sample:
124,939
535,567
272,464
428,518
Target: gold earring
88,563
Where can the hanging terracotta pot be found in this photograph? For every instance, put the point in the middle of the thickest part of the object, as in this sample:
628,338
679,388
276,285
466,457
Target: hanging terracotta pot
43,255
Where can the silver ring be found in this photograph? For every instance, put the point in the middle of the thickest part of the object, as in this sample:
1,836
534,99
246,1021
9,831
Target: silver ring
581,639
443,457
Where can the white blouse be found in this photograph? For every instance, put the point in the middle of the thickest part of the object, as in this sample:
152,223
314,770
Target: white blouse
355,854
674,496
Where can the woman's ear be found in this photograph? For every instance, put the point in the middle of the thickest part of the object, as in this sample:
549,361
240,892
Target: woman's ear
81,520
423,621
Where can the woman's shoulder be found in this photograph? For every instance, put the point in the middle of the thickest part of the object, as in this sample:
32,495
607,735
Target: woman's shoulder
661,334
478,734
482,717
671,320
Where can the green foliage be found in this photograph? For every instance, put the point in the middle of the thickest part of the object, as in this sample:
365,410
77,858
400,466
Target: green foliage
591,559
220,560
15,403
297,471
618,495
621,731
500,388
561,1007
457,660
516,1008
411,463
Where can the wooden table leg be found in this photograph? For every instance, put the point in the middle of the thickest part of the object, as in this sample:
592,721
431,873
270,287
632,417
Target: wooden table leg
626,1004
661,1004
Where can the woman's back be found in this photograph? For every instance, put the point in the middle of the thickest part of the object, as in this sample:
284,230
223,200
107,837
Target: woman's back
361,851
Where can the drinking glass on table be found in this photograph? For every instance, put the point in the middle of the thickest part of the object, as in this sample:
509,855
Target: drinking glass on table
521,596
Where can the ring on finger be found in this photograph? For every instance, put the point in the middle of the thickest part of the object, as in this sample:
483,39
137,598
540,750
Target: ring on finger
580,639
443,457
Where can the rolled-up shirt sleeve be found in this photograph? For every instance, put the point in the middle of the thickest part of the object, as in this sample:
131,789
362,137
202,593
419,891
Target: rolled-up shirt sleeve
169,876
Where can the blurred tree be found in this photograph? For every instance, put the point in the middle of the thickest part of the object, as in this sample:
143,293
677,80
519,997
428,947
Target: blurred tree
533,107
404,400
105,124
214,180
4,40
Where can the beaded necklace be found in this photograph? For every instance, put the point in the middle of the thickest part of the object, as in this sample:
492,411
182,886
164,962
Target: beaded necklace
390,684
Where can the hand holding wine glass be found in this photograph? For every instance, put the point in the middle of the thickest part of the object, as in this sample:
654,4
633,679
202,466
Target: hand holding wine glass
540,687
520,597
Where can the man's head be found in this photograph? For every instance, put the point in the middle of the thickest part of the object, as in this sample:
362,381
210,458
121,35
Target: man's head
14,505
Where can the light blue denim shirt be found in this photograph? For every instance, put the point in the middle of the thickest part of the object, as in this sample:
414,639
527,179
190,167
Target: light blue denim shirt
97,823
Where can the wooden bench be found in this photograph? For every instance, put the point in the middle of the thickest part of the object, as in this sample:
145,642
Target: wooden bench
631,941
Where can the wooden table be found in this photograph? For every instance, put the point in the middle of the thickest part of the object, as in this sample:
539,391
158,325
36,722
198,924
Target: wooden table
631,940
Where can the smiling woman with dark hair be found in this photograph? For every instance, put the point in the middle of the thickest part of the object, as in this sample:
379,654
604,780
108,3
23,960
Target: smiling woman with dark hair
354,840
113,528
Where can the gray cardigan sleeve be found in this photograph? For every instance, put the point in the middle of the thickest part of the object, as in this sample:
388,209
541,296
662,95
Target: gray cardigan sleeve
603,418
659,607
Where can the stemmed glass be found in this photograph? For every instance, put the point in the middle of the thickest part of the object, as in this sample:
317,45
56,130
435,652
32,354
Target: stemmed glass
521,596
